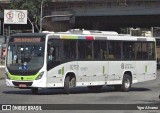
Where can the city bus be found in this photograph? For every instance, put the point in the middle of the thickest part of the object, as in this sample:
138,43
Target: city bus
79,58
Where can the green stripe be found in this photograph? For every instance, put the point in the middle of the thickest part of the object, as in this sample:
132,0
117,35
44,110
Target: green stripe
24,78
103,70
68,37
146,69
62,70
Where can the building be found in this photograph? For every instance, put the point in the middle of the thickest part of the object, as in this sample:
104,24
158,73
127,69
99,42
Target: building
98,14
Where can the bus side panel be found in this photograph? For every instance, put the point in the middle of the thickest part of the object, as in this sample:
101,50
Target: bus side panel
115,72
129,67
150,70
54,79
103,78
91,73
140,71
56,76
146,70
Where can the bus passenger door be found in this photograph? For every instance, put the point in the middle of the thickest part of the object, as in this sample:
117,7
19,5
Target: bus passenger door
54,74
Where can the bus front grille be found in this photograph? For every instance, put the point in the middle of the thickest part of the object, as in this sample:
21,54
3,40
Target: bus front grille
24,83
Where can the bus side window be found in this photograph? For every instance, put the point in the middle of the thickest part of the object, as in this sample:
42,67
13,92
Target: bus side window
89,50
51,54
138,51
69,49
81,49
128,50
114,50
151,51
97,48
144,51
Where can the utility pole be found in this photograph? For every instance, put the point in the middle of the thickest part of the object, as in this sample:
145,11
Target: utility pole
41,17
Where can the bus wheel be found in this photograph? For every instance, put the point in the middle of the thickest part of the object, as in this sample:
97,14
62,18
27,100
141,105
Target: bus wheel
126,83
68,84
34,90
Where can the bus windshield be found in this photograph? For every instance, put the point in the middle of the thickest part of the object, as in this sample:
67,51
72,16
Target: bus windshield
29,56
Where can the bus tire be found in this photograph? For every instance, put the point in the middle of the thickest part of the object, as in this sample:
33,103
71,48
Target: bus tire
126,83
67,85
34,90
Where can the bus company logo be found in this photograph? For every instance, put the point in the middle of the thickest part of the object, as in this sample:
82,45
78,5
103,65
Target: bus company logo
127,66
122,65
6,107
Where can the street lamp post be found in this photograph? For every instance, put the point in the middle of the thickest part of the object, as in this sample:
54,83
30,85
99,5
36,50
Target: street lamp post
48,16
41,17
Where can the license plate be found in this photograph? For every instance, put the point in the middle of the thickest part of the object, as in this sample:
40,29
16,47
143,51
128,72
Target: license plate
22,85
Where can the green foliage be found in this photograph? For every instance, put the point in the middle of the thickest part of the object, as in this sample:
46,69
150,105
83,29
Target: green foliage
33,6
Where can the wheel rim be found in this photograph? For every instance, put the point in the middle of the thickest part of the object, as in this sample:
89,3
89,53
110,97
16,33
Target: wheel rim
72,83
127,83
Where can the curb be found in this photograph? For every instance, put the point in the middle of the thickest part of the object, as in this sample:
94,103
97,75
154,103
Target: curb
1,78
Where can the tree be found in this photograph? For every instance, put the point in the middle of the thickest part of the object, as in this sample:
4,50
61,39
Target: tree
32,6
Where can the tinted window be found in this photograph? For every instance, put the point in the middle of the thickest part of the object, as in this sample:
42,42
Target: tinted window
69,49
85,50
115,49
128,50
100,50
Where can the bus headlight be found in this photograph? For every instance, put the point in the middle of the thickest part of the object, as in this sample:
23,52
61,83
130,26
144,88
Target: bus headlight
7,76
40,75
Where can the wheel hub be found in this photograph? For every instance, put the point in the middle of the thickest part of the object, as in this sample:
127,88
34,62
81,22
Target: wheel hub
127,83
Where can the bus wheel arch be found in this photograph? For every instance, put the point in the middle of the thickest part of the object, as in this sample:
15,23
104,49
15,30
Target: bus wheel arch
69,82
129,74
126,81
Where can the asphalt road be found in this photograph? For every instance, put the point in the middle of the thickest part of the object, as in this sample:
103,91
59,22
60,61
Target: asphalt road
141,93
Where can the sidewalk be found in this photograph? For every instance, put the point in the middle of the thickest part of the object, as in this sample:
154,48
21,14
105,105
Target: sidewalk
1,72
2,62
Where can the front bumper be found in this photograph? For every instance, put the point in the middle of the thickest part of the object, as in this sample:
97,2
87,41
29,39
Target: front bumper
35,83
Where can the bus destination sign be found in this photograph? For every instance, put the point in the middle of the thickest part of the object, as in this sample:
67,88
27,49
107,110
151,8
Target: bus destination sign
27,40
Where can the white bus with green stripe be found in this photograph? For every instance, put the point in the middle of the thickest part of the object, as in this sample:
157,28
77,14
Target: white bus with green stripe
79,58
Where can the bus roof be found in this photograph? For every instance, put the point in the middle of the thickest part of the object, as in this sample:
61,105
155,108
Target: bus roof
98,35
87,35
